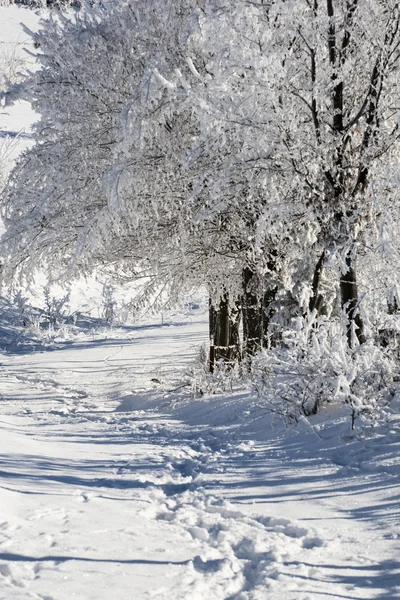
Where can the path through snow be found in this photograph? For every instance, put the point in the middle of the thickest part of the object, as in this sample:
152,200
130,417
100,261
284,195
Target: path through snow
113,487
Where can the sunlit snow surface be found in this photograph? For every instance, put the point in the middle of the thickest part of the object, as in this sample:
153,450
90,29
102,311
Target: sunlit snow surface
116,483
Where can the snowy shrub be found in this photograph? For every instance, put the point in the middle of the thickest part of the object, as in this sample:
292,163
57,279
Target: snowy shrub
23,309
109,304
317,367
56,309
8,149
12,64
224,377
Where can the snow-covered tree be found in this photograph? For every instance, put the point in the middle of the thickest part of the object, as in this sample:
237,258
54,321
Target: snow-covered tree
112,178
335,93
232,146
63,208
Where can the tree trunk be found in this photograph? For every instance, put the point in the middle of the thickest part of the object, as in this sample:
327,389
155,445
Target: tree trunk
268,311
235,354
268,308
349,302
222,326
393,306
316,298
212,319
252,315
224,333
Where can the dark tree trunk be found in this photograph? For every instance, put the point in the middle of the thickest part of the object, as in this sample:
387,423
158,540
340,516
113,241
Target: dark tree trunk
252,315
393,306
268,311
212,319
224,333
349,302
235,316
316,298
268,308
222,326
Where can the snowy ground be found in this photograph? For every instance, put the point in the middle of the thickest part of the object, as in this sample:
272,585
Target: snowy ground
115,484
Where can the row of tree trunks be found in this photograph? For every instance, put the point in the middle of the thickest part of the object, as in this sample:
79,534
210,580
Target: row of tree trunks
253,310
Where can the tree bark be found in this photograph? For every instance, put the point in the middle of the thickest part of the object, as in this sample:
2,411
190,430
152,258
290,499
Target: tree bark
221,336
212,317
224,324
235,353
316,298
268,311
349,302
393,306
252,315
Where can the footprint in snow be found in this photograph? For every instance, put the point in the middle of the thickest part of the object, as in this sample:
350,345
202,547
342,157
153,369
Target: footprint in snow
208,566
314,542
